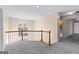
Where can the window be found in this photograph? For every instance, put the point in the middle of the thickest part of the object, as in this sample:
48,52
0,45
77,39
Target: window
22,27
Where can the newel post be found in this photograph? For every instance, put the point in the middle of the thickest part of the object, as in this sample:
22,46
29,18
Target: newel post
22,34
49,38
41,35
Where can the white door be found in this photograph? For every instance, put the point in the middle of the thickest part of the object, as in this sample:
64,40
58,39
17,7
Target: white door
76,27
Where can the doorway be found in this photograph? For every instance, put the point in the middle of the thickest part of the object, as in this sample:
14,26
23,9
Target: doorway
68,28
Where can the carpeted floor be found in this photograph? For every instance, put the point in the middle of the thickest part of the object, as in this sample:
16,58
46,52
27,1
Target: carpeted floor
67,46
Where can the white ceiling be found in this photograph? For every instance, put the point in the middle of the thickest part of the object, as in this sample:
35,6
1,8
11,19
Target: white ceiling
31,12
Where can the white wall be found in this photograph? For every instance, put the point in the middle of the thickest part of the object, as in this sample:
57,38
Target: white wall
1,29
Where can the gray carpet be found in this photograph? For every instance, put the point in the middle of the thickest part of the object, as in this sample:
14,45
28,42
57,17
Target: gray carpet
3,52
67,46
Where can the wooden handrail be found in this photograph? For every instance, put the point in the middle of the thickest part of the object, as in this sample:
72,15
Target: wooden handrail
49,32
28,31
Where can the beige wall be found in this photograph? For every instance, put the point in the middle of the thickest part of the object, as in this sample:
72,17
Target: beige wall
13,24
48,23
5,28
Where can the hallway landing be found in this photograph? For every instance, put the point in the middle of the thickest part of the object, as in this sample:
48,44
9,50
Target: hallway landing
32,47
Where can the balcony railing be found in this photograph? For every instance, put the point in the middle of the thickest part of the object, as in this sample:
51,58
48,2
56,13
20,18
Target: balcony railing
12,34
